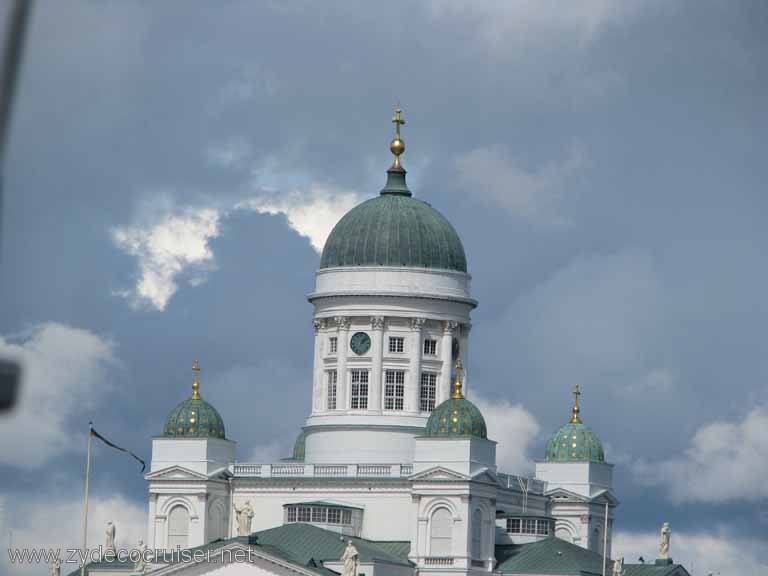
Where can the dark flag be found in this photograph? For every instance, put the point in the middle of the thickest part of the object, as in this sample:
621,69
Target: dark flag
95,434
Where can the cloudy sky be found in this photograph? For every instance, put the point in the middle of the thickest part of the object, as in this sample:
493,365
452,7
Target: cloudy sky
175,167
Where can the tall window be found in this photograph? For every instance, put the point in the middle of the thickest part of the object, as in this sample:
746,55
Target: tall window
440,533
529,526
394,389
359,400
477,535
396,344
430,347
333,379
333,344
178,528
427,393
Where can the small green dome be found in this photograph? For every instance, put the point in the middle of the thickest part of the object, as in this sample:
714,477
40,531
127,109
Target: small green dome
394,229
194,417
299,447
456,417
574,442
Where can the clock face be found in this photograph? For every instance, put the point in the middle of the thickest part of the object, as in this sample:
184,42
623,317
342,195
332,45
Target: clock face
360,343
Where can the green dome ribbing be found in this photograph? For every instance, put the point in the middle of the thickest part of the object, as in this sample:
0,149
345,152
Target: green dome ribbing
574,442
394,229
456,417
299,447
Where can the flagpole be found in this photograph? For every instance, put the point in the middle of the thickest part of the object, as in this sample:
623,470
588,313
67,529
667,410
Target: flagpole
605,538
87,487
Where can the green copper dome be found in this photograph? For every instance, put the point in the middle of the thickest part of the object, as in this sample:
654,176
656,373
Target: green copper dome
574,442
299,446
456,417
394,229
194,417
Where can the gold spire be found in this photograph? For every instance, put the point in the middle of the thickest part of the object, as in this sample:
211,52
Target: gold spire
397,146
575,417
457,394
196,381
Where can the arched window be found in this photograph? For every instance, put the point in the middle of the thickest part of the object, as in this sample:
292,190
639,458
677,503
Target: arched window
178,528
440,533
477,535
596,544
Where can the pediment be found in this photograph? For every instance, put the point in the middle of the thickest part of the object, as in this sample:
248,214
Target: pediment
563,495
175,473
605,496
438,473
236,559
486,476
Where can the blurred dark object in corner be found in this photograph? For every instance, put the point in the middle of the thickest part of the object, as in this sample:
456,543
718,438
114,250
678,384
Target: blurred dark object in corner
16,15
9,385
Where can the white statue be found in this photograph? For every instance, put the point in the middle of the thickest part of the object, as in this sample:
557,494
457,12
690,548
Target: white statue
351,559
618,567
140,564
664,544
110,536
56,568
244,517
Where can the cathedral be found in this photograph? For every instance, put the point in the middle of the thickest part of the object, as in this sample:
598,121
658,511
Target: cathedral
393,472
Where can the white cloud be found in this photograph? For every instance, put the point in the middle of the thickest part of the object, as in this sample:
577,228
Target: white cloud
725,461
64,369
494,176
312,213
167,245
721,551
512,25
514,428
43,523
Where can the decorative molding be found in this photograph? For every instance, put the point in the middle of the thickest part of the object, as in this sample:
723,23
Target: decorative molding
585,519
377,322
343,322
418,323
450,327
319,324
466,328
464,498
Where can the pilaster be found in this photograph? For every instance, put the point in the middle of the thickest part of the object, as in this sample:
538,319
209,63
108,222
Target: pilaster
414,382
377,379
444,390
342,323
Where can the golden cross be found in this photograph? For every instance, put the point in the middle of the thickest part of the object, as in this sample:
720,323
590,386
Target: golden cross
397,121
575,416
196,381
576,394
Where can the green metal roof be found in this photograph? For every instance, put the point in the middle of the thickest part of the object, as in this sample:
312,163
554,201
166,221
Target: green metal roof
574,442
394,229
299,447
456,417
305,542
194,418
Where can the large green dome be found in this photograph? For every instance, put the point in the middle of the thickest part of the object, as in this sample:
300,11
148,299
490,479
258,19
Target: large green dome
194,417
394,229
456,417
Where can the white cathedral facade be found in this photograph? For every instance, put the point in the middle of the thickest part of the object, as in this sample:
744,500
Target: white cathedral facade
393,456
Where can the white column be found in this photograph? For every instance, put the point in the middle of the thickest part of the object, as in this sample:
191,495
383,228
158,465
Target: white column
412,389
319,325
376,382
152,521
444,390
342,349
464,355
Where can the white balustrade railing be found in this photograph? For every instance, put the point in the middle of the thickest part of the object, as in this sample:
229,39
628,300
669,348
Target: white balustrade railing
438,560
298,470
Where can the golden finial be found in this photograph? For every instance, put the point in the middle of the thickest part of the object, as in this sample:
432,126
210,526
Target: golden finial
575,417
196,381
397,146
457,394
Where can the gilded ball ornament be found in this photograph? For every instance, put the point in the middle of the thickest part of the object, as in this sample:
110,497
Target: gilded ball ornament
397,147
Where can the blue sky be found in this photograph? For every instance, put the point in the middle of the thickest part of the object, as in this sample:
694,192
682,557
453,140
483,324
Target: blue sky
174,167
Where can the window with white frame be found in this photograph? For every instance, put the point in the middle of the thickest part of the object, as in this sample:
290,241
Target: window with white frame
303,514
542,527
396,344
529,526
427,392
359,399
513,526
178,528
430,347
394,389
333,379
318,514
333,345
441,533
